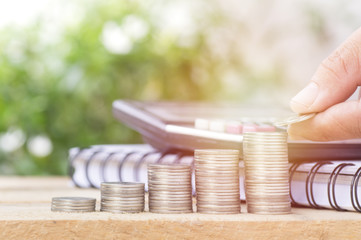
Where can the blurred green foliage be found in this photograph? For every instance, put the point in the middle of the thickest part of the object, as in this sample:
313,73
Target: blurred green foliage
60,73
61,85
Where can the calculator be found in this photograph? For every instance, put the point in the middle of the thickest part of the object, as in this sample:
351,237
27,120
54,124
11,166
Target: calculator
186,126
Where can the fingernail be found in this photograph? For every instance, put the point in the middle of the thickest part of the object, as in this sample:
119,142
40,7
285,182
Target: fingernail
304,99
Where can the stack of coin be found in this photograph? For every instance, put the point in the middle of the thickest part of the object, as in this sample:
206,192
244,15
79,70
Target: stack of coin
122,197
73,204
217,181
170,188
265,156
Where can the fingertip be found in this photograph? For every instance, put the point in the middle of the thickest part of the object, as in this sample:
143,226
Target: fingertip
339,122
298,107
302,102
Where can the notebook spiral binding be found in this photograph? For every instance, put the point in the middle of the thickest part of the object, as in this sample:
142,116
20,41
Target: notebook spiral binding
104,164
332,178
87,168
353,190
309,184
292,170
71,168
330,185
109,157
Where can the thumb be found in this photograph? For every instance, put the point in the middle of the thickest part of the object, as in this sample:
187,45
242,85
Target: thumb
339,122
335,80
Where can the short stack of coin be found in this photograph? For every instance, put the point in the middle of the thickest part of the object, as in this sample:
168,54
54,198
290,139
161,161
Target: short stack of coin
122,197
265,156
73,204
217,181
170,188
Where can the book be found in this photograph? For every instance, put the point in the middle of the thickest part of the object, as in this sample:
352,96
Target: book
321,184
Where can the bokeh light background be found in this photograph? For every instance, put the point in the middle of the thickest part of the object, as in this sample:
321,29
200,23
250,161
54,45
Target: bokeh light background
63,62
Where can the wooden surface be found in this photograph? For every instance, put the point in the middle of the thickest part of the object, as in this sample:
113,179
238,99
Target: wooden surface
25,214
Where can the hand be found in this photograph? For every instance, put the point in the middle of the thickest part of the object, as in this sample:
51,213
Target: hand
335,80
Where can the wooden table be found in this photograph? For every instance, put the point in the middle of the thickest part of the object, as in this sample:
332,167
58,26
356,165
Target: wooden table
25,214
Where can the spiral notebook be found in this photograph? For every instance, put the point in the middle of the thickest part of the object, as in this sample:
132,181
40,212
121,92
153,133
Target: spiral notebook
325,184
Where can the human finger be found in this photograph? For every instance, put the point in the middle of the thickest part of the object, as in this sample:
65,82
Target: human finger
335,80
341,121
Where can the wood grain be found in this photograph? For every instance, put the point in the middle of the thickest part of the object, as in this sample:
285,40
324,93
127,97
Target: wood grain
25,214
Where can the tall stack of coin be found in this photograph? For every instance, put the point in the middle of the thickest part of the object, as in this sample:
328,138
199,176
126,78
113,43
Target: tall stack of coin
265,156
217,181
73,204
170,188
122,197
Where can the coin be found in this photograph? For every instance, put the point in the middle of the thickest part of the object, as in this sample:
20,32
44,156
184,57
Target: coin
217,181
122,197
266,172
73,204
170,188
294,119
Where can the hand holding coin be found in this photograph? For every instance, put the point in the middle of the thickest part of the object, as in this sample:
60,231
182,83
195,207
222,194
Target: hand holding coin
336,79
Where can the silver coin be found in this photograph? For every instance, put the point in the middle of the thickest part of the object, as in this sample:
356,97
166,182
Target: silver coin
137,202
221,165
73,199
267,186
115,210
122,193
158,195
219,181
168,172
119,190
121,196
216,151
267,196
166,198
122,208
170,189
177,206
216,158
220,176
217,212
268,212
270,207
73,203
171,211
71,210
266,182
122,184
266,172
219,195
268,175
217,189
167,207
294,119
169,167
171,193
114,199
57,209
73,207
219,208
117,204
125,206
